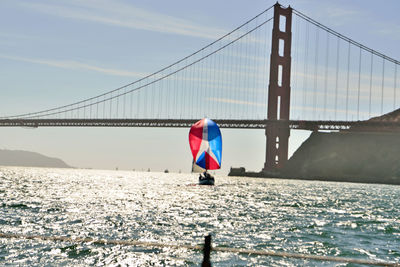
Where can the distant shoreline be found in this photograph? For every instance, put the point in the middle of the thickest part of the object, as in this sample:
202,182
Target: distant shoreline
21,158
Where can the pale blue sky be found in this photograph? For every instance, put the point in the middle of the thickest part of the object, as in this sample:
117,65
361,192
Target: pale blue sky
57,52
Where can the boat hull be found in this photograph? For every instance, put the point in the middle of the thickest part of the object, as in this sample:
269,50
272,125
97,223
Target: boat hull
206,181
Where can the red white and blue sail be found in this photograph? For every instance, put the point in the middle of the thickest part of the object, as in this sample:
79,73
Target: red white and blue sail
206,144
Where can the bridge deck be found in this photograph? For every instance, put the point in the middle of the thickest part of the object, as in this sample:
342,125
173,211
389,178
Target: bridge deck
186,123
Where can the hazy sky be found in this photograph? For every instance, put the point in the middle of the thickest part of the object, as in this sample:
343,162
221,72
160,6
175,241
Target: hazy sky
57,52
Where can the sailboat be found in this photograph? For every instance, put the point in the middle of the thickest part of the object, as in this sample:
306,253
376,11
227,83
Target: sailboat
206,145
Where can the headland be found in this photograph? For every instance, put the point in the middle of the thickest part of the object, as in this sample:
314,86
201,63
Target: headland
344,156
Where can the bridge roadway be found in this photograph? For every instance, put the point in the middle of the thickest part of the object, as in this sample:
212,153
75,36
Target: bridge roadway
369,126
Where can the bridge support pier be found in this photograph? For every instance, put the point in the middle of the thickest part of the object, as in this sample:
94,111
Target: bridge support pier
279,90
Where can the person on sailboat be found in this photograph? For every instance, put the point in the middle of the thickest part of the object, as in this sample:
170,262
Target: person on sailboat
206,175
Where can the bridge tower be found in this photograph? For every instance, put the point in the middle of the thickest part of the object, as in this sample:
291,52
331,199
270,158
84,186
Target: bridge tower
277,134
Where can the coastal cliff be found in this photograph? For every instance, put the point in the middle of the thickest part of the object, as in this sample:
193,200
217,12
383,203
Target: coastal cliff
367,155
347,156
353,156
29,159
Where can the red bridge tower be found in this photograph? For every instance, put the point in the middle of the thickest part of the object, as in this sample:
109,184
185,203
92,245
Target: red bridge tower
279,90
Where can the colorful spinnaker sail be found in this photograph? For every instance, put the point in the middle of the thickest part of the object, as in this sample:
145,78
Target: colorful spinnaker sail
206,144
196,168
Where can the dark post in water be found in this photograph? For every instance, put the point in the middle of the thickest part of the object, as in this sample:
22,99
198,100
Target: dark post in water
206,252
279,90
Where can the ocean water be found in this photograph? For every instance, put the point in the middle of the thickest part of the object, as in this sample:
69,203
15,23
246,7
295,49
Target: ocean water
320,218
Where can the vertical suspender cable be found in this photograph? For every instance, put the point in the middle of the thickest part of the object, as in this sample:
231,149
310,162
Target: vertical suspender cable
161,99
90,109
267,67
131,105
174,92
167,97
258,95
295,89
188,91
199,88
239,68
252,81
236,72
192,91
160,89
181,92
202,85
359,85
337,75
97,108
348,81
316,72
124,104
394,86
154,96
220,86
148,101
305,70
246,77
231,55
326,74
195,98
145,103
370,84
138,100
383,83
111,105
177,80
117,106
171,94
215,88
207,86
104,107
209,82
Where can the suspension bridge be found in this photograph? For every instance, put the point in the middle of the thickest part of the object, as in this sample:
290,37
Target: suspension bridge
278,71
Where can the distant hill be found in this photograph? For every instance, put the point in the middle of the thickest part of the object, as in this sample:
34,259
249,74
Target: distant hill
29,159
347,156
351,155
354,155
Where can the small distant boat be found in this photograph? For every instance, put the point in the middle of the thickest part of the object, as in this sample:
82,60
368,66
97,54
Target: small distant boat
206,144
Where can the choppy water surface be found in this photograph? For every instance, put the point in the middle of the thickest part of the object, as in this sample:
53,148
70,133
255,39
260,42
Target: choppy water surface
319,218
